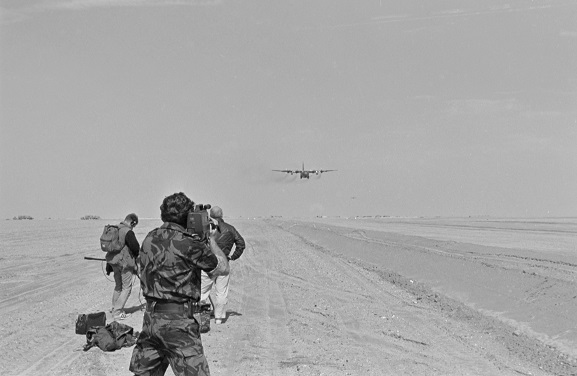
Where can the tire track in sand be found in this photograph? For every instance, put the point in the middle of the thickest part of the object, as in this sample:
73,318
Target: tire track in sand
256,332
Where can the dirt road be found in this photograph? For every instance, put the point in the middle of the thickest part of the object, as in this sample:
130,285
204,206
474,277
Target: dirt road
307,298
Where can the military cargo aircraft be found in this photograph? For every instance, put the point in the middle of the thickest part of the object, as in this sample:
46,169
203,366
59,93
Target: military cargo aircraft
304,174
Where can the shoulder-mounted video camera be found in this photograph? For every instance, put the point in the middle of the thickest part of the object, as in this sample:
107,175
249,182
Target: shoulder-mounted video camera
198,223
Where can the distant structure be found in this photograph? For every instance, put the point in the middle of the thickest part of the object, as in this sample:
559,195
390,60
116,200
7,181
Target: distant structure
21,217
90,217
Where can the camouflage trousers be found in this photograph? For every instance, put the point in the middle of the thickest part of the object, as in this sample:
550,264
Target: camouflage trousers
169,338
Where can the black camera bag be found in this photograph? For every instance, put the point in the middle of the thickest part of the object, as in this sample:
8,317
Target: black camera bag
89,320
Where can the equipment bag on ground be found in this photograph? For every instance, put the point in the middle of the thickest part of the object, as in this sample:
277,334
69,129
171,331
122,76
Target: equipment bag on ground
110,337
87,321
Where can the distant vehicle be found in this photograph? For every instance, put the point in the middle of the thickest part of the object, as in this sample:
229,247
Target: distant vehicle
304,174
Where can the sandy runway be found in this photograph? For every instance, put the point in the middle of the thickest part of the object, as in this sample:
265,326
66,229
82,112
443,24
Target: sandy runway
320,297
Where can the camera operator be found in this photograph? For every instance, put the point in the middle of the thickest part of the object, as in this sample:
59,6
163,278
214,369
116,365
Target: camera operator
170,262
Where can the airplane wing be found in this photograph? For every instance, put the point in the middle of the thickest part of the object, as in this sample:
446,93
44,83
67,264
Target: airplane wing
318,171
287,171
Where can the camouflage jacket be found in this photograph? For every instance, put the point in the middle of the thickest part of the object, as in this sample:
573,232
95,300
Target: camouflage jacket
170,263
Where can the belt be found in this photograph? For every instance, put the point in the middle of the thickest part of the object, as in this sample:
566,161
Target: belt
167,307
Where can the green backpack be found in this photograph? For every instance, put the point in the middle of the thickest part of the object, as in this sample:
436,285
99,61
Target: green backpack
110,239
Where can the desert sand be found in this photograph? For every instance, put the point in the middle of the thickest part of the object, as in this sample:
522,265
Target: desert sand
322,296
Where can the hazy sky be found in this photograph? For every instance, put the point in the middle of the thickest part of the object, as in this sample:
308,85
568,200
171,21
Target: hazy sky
437,107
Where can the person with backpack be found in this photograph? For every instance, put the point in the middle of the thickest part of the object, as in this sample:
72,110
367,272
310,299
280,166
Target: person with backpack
122,258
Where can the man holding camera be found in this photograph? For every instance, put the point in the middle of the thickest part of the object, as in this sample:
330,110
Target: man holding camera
226,238
170,264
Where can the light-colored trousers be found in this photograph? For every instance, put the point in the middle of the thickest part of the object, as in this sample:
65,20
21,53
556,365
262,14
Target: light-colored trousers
122,288
220,286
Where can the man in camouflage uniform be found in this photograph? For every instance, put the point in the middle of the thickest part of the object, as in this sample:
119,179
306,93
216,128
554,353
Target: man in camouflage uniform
170,263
